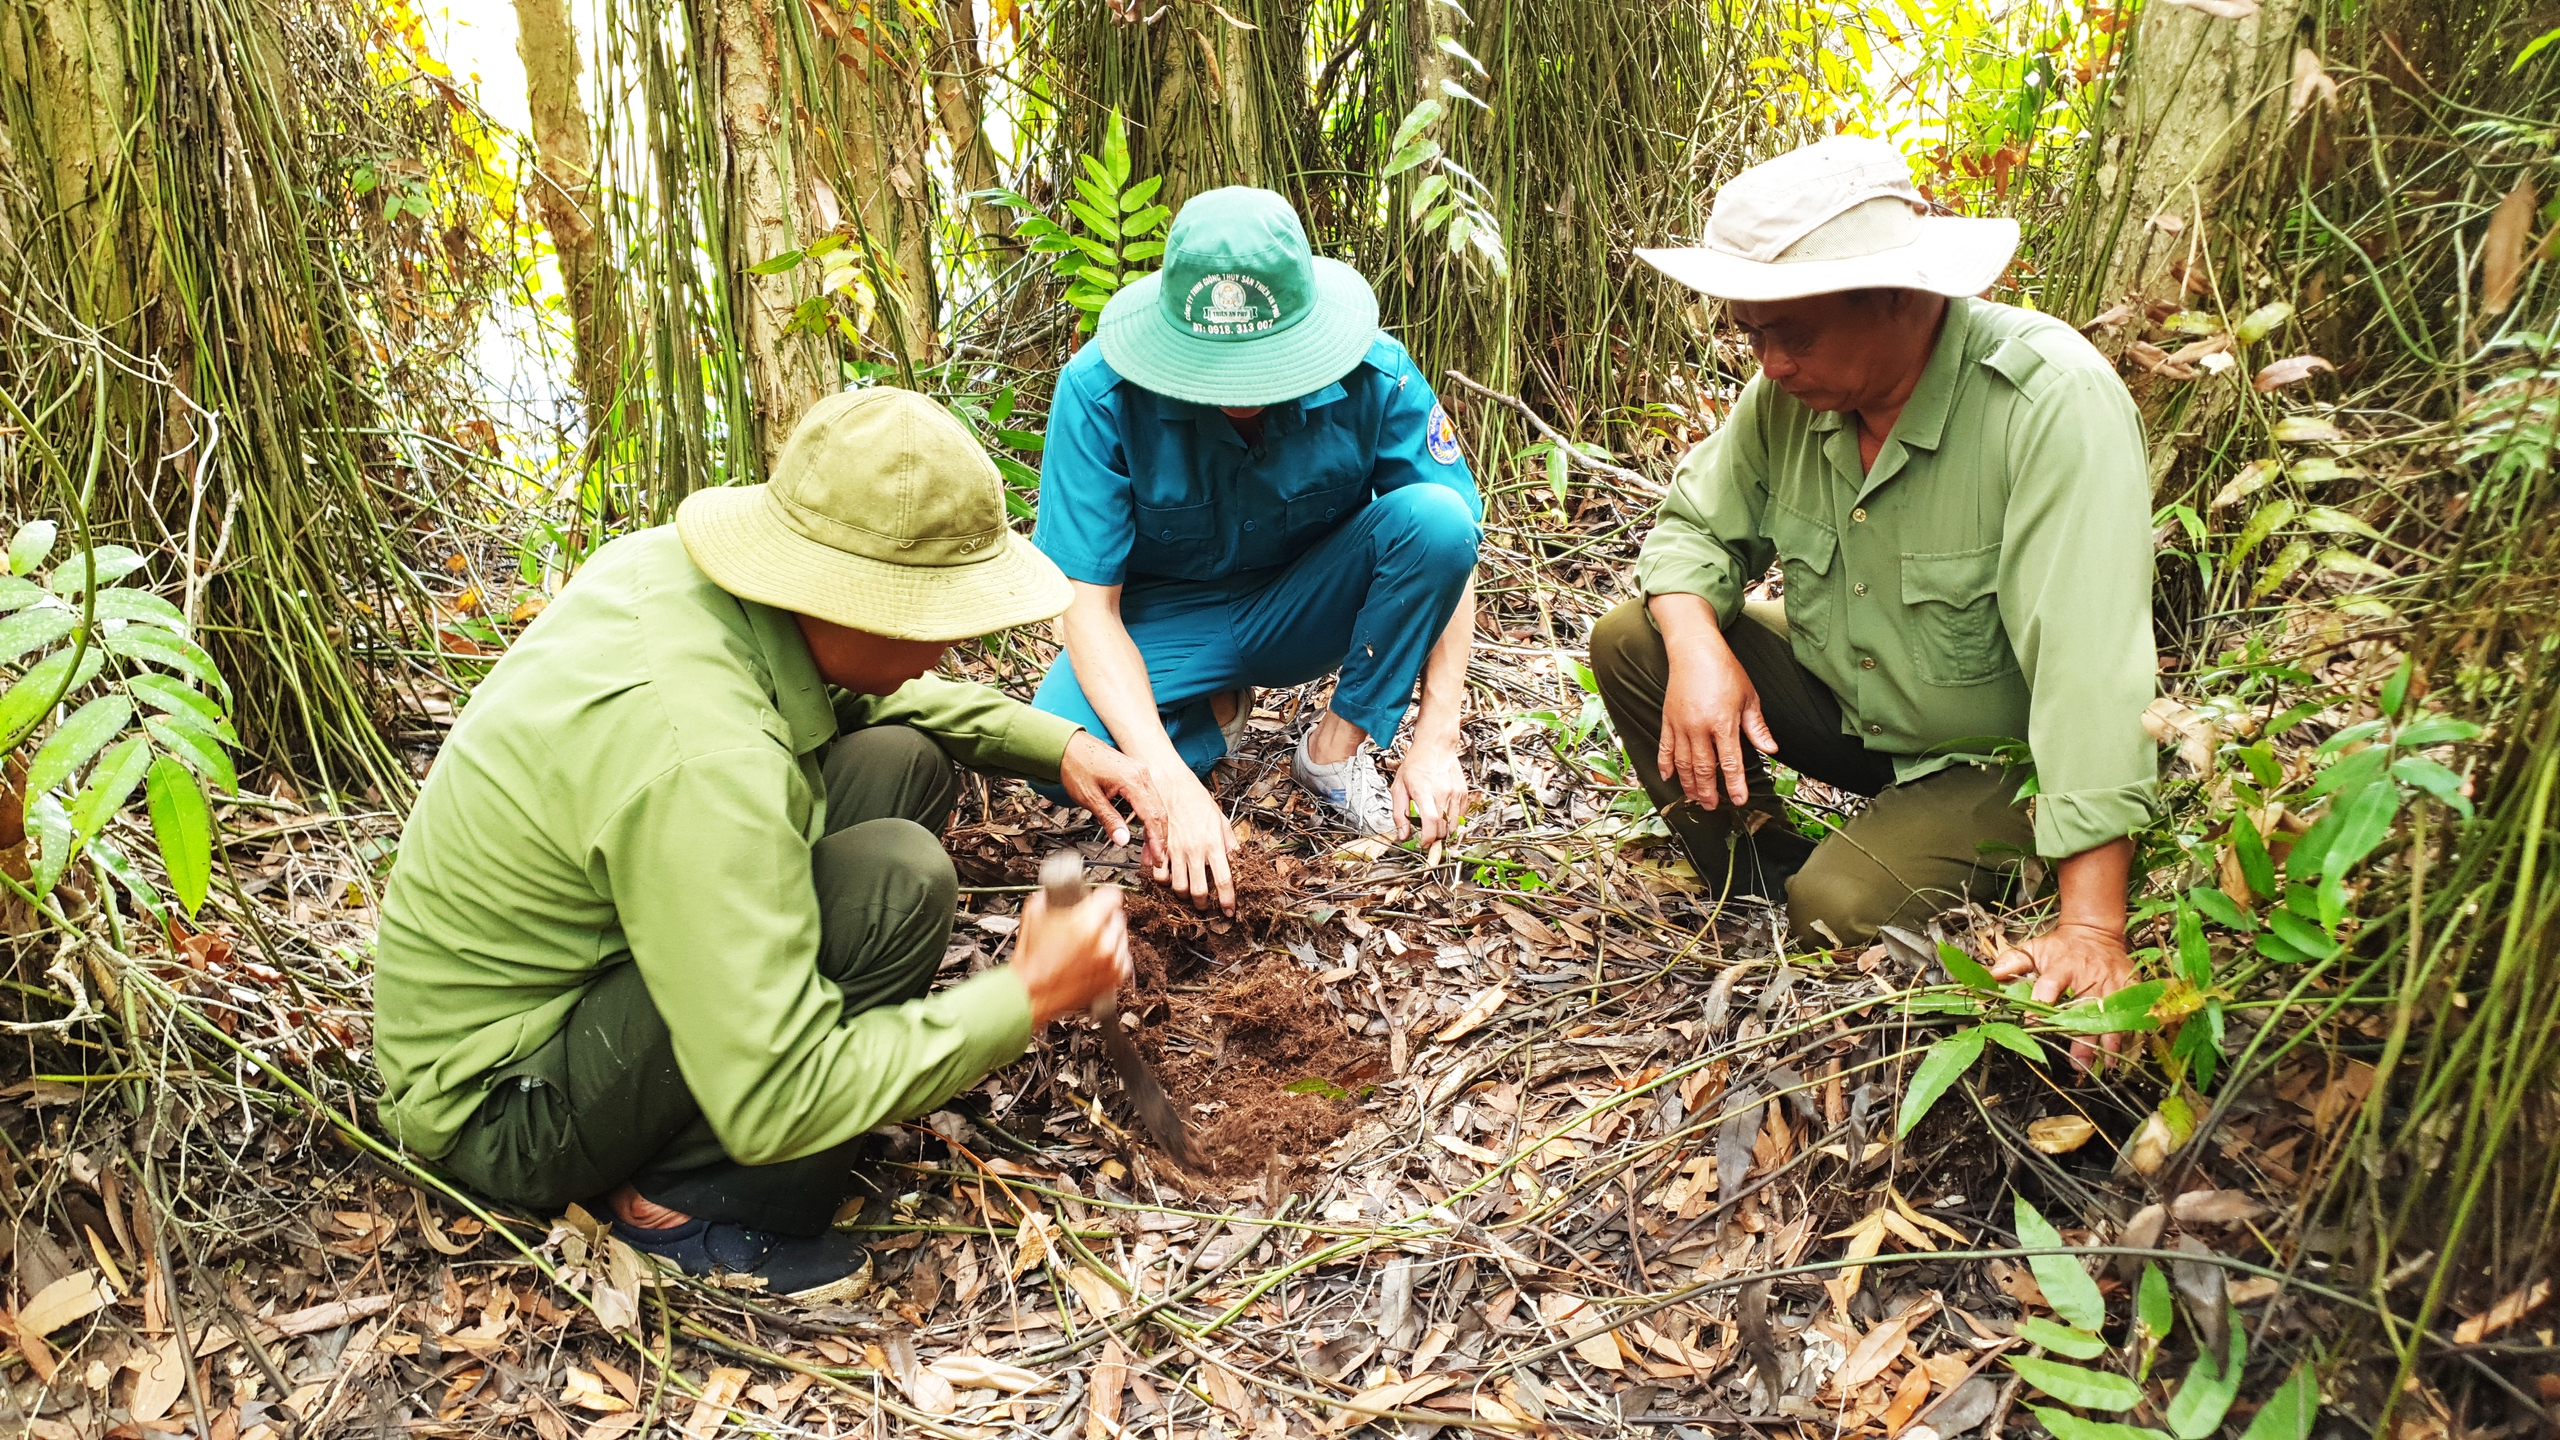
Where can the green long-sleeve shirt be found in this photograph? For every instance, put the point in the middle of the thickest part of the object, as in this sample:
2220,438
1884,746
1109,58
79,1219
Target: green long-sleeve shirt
1989,577
637,781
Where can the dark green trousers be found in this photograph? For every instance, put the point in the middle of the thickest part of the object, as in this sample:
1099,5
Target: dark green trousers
602,1103
1915,850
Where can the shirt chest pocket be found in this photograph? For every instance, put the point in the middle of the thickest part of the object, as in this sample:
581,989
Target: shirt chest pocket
1309,516
1176,541
1322,480
1806,549
1954,604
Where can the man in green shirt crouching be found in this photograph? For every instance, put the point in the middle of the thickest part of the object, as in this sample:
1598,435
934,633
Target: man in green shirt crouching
665,916
1957,493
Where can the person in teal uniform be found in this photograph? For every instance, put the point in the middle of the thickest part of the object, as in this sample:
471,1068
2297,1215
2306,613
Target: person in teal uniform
1249,484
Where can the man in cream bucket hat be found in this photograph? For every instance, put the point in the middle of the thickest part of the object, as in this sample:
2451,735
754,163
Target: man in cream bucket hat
665,916
1957,494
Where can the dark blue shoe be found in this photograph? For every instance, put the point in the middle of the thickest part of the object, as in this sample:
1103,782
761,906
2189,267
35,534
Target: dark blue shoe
812,1269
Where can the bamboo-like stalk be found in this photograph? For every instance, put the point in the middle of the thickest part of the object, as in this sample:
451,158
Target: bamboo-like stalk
570,201
767,194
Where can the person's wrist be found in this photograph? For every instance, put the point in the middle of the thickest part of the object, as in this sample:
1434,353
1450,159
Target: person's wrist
2113,934
1038,994
1437,740
1175,782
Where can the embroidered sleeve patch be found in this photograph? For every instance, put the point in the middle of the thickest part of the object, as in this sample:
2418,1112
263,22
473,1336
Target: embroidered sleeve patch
1441,437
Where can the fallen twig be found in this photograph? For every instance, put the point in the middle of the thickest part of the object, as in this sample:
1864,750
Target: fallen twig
1572,452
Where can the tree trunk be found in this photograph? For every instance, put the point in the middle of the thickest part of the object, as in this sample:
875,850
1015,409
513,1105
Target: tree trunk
880,113
1213,94
768,193
70,55
959,104
2194,80
567,195
1207,120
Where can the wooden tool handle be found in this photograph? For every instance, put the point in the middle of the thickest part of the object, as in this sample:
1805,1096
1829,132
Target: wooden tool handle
1062,878
1062,882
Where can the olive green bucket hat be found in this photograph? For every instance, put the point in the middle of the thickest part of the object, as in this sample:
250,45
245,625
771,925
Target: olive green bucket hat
882,514
1243,312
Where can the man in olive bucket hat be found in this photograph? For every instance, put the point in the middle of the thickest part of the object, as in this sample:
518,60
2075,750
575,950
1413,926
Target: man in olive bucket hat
1248,484
664,919
1958,495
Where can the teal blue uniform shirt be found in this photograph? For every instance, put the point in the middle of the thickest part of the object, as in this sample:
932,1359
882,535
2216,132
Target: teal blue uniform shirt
1137,487
1342,542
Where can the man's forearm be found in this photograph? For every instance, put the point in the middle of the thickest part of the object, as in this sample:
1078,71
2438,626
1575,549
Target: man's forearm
1689,628
1444,675
1114,678
1683,617
2093,884
977,725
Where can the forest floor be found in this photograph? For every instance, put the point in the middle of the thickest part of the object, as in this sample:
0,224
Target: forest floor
1516,1134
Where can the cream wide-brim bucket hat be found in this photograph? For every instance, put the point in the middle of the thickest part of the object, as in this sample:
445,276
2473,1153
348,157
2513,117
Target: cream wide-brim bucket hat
1841,214
884,515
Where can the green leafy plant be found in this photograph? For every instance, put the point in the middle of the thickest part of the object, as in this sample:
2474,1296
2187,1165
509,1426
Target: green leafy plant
136,699
1572,732
2203,1397
1947,1059
2512,427
1586,742
1447,197
1493,873
1119,224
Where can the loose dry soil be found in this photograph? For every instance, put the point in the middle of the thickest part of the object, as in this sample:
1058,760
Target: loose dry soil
1231,1021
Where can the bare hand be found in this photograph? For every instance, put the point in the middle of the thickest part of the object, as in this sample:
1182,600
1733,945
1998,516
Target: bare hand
1199,846
2071,961
1433,785
1102,779
1069,958
1709,705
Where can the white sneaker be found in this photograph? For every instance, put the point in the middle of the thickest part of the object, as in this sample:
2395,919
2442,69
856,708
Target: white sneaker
1351,787
1233,726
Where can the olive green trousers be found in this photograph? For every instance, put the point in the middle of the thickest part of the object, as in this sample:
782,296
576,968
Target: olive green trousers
1915,850
602,1103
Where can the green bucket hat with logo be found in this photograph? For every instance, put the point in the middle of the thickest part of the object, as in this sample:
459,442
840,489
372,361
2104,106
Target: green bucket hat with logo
1243,312
882,514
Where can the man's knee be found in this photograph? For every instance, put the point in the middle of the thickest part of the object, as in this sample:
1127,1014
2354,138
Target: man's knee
1626,651
884,750
886,894
1841,897
1432,525
888,770
902,858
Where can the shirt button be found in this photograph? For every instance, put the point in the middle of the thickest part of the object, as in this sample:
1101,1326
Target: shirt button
1328,512
1867,664
1858,589
1875,729
1248,524
1168,534
1858,514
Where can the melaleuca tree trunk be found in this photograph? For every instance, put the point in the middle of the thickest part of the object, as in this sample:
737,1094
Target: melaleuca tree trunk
882,156
788,357
2200,93
567,196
